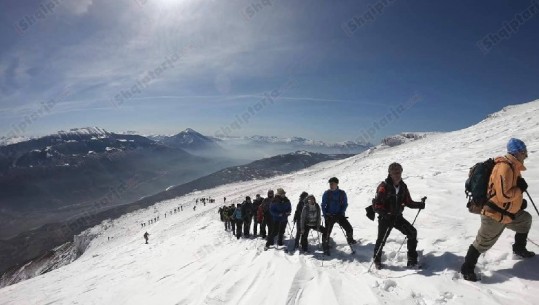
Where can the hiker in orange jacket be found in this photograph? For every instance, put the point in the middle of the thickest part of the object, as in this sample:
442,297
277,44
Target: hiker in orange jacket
504,209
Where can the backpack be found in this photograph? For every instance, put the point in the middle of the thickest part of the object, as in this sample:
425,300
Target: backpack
238,215
476,186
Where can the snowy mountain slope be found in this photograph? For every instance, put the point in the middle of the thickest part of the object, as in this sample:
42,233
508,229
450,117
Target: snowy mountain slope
192,260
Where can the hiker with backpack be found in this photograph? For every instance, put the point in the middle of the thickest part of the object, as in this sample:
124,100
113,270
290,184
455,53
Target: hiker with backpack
239,218
280,209
264,215
230,216
392,195
503,208
247,211
146,237
297,217
256,204
334,204
311,218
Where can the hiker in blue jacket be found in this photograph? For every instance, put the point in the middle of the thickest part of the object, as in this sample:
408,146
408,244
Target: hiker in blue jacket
280,209
334,204
238,218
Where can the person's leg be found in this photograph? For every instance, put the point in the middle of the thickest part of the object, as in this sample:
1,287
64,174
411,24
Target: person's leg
487,235
345,224
521,225
304,239
410,232
384,229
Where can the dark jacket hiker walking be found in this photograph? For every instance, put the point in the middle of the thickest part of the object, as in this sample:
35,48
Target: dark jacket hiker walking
392,196
280,208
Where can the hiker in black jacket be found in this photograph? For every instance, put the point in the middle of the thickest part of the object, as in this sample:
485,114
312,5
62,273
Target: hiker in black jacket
392,196
266,218
230,214
247,211
297,216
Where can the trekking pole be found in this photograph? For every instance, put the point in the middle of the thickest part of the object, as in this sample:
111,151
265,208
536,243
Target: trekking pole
532,202
343,232
402,244
380,247
291,231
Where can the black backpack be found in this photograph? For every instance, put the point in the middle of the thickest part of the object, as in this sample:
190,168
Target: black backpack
476,186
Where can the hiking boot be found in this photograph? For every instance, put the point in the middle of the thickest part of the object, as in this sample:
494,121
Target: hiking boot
412,263
351,241
524,253
266,248
378,265
472,277
519,248
467,269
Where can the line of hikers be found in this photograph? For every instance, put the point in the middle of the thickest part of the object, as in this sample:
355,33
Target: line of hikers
504,207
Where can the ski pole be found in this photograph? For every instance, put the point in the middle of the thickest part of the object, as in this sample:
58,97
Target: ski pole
532,202
345,236
380,247
291,231
402,244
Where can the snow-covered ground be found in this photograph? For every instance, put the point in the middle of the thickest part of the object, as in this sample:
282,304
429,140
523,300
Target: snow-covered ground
192,260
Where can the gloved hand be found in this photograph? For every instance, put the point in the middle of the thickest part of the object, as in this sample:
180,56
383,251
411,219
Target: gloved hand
521,184
524,204
421,206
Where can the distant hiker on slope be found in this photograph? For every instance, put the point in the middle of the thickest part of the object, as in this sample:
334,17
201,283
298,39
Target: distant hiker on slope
297,217
310,218
264,215
238,218
247,211
280,209
256,204
505,209
334,204
146,237
392,196
230,216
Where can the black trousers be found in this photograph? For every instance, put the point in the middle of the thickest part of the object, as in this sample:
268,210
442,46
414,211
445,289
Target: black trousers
247,225
385,225
255,226
233,225
305,236
277,230
342,221
266,225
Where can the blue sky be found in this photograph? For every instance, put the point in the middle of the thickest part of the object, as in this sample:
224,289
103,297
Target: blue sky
327,70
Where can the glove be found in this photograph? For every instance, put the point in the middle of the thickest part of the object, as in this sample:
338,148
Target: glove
521,184
524,204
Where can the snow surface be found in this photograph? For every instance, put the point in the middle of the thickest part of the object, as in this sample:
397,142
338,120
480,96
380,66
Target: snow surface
191,259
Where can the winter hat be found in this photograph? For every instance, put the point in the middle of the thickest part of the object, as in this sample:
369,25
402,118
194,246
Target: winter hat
394,166
334,180
515,146
303,195
280,192
270,193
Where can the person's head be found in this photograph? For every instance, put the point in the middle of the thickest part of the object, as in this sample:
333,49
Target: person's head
247,198
303,195
281,192
270,193
257,196
518,149
311,199
232,205
333,183
395,172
